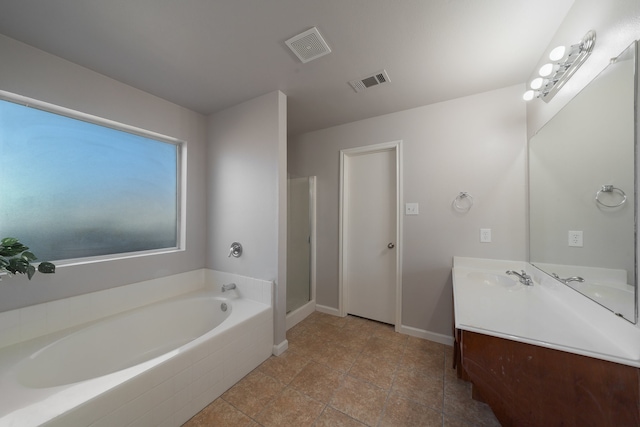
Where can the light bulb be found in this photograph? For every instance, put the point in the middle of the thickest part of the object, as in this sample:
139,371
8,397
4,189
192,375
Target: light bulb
528,95
536,83
546,70
557,53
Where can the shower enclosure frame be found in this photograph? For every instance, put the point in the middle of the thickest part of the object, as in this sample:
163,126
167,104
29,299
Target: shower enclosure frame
300,313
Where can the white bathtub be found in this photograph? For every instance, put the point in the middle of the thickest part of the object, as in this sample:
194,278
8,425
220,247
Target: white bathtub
154,365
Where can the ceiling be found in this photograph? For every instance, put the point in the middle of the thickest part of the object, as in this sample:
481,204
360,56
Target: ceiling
208,55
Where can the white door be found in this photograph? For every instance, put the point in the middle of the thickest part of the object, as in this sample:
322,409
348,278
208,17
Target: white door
370,233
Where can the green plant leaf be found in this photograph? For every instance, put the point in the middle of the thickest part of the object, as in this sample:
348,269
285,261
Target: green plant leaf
9,241
17,265
16,258
31,270
28,256
11,247
46,267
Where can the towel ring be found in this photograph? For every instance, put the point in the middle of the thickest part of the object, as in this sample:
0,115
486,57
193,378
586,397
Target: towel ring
610,189
462,196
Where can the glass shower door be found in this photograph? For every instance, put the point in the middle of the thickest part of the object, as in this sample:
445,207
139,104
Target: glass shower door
298,243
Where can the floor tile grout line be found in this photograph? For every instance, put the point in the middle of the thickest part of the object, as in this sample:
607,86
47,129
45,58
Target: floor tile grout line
328,403
241,411
324,408
321,329
395,376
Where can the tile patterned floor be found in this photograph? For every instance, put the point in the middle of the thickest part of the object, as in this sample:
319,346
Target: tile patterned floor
349,371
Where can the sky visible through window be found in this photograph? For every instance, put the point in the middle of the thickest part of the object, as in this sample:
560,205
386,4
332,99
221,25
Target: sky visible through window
73,189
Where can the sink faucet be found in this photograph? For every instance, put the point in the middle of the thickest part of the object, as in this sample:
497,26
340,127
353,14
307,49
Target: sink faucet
568,279
228,287
525,279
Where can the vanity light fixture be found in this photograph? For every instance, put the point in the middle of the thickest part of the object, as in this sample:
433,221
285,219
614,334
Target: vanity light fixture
565,62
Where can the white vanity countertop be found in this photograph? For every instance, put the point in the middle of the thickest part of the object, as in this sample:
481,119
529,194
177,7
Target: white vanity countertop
548,314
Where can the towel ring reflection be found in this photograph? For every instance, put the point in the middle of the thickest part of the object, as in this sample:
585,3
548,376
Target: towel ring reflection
610,189
459,198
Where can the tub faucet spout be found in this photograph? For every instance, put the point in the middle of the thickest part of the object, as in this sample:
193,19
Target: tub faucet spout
525,279
228,287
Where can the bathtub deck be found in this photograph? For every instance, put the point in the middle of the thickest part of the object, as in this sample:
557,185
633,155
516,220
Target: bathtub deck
165,391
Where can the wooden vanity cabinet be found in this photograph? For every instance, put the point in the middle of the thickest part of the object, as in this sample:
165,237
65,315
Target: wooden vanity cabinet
529,385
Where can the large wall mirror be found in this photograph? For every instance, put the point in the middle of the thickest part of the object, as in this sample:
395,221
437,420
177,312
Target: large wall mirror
582,175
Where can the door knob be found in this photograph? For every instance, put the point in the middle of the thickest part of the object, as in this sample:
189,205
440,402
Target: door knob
391,246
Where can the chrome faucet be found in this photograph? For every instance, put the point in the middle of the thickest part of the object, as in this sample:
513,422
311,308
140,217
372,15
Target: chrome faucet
228,287
568,279
525,279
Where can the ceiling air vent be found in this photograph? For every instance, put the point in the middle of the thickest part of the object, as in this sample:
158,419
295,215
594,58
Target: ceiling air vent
369,81
308,45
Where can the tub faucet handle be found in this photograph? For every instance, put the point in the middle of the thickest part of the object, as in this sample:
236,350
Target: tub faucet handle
235,249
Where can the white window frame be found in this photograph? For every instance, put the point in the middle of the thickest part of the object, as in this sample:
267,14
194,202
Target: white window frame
181,172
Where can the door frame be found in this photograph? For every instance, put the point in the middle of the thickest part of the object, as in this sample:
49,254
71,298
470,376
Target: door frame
396,148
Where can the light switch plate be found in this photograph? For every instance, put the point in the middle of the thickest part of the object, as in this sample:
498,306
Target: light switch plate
411,209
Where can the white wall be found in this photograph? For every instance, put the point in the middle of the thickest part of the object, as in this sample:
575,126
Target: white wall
30,72
475,144
246,192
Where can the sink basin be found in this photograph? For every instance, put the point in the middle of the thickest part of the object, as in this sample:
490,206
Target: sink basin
495,280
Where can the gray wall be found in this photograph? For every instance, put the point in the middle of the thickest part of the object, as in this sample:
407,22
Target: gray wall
30,72
246,183
475,144
236,159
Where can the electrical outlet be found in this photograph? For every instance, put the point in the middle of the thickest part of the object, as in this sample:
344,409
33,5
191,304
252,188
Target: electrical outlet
411,209
485,235
575,238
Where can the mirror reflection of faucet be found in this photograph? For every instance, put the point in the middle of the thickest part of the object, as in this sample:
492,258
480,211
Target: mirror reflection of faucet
568,279
525,279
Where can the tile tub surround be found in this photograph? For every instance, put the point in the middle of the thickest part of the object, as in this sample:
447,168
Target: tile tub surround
172,391
532,314
350,372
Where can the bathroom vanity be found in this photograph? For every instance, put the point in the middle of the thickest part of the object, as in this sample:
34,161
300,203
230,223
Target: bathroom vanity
542,355
565,349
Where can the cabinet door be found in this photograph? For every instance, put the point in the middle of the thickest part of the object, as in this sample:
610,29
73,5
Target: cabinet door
528,385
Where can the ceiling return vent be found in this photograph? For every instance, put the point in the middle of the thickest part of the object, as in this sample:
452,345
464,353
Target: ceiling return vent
373,80
309,45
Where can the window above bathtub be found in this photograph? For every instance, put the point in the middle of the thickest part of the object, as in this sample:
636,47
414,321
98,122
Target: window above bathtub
78,187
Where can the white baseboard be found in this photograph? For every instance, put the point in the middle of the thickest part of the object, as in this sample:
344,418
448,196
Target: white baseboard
431,336
299,314
407,330
328,310
278,349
